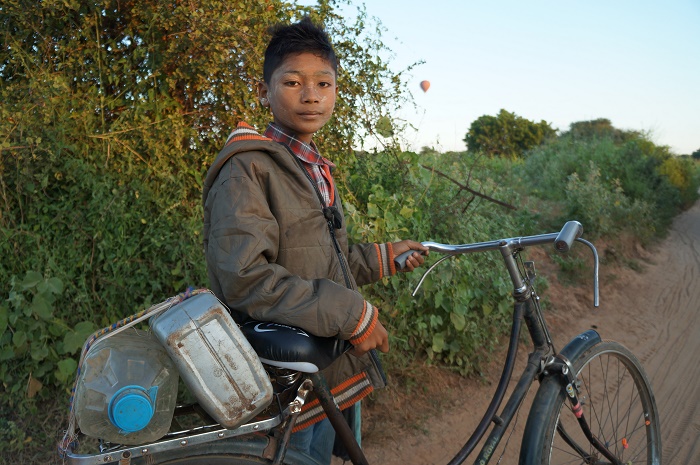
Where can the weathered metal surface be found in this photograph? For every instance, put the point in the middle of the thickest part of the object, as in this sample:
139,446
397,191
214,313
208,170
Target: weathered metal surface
214,359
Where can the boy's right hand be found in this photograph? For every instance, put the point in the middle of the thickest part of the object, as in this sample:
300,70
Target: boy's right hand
406,261
377,339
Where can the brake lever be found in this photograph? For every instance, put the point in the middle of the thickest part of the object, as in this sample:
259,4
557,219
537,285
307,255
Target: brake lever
415,291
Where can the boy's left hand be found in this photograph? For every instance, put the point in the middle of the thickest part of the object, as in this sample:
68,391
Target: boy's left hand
377,339
416,259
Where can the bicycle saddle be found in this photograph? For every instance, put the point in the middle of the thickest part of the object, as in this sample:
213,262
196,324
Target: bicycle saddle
292,348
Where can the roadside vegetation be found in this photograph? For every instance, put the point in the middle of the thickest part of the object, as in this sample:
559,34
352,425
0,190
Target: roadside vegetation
106,133
627,190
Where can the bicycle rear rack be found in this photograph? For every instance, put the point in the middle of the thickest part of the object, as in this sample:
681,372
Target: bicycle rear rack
131,452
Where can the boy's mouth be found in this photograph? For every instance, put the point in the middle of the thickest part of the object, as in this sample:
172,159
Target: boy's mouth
310,115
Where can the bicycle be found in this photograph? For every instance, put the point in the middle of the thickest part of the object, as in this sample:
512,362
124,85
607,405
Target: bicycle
594,404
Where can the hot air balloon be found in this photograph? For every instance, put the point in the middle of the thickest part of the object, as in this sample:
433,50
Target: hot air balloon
425,85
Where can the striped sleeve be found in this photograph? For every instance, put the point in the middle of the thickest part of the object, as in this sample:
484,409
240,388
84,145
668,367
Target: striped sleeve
364,328
346,394
385,255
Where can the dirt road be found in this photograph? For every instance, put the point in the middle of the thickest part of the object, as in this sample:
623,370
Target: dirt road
655,313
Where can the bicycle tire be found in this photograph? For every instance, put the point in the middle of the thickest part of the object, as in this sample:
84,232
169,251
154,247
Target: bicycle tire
234,451
618,404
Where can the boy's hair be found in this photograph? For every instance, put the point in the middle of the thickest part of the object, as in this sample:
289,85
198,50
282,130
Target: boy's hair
301,37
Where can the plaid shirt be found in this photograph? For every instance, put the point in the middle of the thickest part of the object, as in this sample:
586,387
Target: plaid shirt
318,167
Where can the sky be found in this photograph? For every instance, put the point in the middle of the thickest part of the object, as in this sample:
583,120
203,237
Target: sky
634,62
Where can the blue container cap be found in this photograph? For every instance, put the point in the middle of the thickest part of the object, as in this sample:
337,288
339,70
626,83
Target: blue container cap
132,407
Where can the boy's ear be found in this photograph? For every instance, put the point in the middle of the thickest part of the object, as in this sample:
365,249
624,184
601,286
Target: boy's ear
262,90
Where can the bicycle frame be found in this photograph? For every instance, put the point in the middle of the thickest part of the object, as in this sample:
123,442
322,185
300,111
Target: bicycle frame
542,361
526,307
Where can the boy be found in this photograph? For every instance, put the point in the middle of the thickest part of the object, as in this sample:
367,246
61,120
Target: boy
274,233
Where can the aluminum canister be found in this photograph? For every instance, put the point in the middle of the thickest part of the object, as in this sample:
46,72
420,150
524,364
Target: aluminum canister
215,360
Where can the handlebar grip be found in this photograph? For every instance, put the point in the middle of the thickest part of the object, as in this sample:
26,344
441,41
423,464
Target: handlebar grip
571,231
400,261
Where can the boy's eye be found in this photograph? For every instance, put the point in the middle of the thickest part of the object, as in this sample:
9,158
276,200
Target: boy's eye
291,83
325,84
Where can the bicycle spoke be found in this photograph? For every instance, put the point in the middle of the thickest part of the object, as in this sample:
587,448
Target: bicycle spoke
577,450
618,409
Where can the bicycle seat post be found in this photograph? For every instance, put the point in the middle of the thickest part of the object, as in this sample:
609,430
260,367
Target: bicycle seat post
292,411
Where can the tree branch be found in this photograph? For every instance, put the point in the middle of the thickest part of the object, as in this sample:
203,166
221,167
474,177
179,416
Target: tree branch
470,190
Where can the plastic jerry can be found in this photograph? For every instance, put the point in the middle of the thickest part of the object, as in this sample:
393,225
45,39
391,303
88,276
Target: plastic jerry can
216,362
127,389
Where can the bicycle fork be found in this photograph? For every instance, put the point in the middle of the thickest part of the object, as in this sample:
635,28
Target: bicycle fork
560,365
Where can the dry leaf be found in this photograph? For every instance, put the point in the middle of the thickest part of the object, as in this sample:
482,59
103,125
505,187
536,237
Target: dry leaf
33,386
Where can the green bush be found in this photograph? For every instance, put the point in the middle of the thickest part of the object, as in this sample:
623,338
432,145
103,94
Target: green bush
34,338
631,171
604,209
464,306
682,173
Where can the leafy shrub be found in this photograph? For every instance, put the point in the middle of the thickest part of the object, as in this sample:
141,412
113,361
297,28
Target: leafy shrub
464,306
506,134
604,209
34,338
682,174
629,167
12,437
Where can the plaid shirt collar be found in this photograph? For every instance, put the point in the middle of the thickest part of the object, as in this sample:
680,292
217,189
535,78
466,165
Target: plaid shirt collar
318,167
307,153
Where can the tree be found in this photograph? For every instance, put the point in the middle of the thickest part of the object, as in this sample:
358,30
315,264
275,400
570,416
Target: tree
129,60
599,128
506,134
696,155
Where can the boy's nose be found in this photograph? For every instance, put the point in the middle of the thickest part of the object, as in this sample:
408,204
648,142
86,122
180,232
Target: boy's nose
310,94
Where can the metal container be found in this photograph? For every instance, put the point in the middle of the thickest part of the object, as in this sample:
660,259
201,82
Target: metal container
215,360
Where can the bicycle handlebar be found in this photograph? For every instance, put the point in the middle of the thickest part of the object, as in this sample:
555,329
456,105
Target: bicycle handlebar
563,241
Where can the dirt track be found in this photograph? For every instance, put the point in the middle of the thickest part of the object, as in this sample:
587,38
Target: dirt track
655,313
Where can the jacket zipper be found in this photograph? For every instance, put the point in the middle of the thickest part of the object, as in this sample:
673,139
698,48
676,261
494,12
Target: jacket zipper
374,357
331,227
378,365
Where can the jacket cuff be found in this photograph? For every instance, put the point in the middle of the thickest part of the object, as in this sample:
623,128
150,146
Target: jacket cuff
367,323
385,255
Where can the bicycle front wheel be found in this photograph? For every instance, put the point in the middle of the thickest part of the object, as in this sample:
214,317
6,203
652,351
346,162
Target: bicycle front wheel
618,405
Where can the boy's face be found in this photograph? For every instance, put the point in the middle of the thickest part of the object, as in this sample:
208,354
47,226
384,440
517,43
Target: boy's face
301,94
